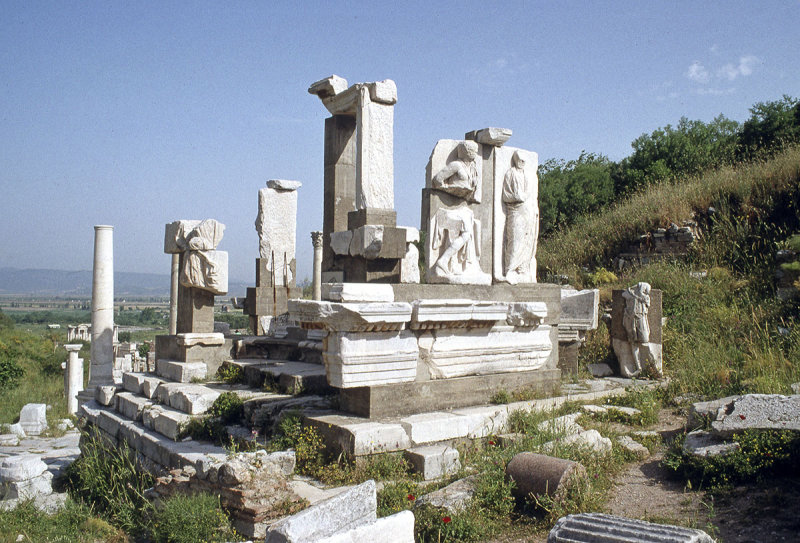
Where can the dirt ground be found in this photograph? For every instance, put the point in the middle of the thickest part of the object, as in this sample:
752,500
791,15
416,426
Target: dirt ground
767,512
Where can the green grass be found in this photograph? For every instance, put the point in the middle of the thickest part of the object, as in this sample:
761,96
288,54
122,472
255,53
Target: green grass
595,239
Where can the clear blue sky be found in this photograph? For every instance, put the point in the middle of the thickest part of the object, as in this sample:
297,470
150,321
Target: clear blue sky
139,113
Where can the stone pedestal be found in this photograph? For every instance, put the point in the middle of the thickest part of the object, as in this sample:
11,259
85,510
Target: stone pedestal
102,358
74,377
196,310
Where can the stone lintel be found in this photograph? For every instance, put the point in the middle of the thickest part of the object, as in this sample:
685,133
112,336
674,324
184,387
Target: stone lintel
411,398
489,136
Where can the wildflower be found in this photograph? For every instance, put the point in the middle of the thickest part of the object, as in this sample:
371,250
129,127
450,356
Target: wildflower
411,497
491,442
446,520
742,417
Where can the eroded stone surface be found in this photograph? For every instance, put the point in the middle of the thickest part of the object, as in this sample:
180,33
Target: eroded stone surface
702,443
598,527
757,412
33,418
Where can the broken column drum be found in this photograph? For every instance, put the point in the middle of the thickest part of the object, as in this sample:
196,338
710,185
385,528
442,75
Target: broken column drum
102,350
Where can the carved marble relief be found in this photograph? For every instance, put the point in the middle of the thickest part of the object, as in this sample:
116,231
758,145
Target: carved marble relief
516,215
455,175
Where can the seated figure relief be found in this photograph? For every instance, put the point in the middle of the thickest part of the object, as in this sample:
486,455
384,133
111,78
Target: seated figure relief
460,177
453,240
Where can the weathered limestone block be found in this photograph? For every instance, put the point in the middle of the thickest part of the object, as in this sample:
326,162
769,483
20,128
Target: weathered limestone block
353,436
460,352
516,215
527,314
340,242
33,418
357,292
355,359
21,468
342,317
206,270
175,235
599,527
397,528
587,439
757,412
565,424
409,267
579,313
490,136
378,241
276,224
537,474
188,398
350,509
632,446
433,461
702,443
41,485
700,412
453,498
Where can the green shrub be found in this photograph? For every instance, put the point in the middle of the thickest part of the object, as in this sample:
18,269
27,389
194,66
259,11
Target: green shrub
206,429
229,407
188,519
231,374
10,373
433,525
307,444
760,454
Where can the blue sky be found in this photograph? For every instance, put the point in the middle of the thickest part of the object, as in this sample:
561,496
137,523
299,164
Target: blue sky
136,114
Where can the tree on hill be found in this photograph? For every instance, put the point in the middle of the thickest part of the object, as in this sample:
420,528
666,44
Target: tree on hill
570,189
771,126
689,148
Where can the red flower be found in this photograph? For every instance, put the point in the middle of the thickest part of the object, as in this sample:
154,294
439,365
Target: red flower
446,520
411,497
491,443
742,417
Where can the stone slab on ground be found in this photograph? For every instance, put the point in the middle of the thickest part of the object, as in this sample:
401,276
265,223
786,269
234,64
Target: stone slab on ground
600,370
33,418
9,440
700,412
433,461
21,468
602,528
314,493
702,443
355,436
453,498
350,509
193,399
397,528
758,412
632,446
40,485
589,439
564,424
49,503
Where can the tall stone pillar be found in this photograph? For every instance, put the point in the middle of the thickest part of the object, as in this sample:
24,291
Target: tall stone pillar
173,295
74,380
316,239
102,360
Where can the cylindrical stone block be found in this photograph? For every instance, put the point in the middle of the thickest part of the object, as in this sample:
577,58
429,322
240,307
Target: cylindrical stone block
74,380
538,474
102,360
316,239
173,295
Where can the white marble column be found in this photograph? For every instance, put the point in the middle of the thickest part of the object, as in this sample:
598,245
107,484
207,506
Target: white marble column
316,239
173,295
74,380
102,361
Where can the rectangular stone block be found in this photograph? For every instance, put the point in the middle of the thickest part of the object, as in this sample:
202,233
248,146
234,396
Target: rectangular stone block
357,292
440,394
433,461
173,232
276,226
182,372
371,216
269,301
196,309
378,241
355,436
397,528
131,406
370,358
377,270
352,508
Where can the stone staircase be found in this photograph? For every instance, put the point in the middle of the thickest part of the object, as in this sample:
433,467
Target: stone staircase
150,413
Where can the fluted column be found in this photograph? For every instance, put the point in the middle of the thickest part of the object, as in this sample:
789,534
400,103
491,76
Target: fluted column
316,239
102,360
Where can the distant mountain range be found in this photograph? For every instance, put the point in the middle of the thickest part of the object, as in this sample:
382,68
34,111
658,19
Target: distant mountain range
79,283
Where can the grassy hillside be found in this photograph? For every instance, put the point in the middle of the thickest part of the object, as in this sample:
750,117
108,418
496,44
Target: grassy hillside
726,333
763,195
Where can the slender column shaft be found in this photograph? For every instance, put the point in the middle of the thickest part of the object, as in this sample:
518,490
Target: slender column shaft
102,360
74,381
173,295
316,239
